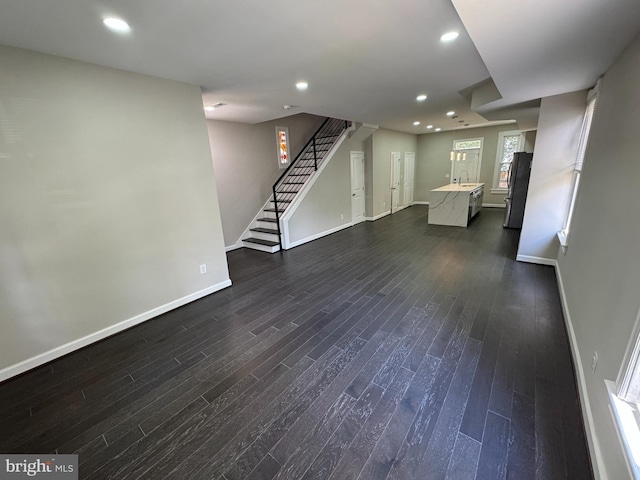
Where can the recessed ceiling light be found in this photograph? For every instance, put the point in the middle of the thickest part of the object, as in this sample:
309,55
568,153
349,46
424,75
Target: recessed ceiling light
117,25
421,98
429,126
451,113
438,129
416,123
449,36
302,85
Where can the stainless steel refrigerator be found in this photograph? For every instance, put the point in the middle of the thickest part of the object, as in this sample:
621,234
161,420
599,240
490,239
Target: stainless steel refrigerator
518,184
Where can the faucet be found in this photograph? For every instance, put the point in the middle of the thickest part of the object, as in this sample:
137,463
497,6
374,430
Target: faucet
464,171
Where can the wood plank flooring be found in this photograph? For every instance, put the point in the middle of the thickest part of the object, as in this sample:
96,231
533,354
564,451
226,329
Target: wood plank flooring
391,350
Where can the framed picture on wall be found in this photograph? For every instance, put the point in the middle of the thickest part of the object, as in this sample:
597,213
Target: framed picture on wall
282,146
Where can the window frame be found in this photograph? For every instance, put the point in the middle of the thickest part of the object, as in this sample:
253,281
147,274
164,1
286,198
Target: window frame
585,130
495,187
624,398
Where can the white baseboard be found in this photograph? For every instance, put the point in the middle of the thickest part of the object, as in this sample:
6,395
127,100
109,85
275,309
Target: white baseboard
377,217
235,246
317,236
57,352
592,440
420,203
537,260
493,205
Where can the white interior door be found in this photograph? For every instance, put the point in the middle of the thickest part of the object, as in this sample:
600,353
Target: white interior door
395,181
409,172
357,187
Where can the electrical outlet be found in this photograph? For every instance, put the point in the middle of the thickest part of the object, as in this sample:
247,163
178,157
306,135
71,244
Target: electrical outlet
594,362
446,175
203,269
341,216
384,204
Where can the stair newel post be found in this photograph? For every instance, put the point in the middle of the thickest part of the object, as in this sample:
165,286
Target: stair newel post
275,207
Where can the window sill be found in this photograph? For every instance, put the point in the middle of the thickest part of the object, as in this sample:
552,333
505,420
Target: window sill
499,191
627,422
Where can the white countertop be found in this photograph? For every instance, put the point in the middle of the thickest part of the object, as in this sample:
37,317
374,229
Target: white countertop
458,187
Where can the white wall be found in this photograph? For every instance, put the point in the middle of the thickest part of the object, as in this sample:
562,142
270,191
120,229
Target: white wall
327,206
107,203
246,166
433,160
551,175
600,271
378,168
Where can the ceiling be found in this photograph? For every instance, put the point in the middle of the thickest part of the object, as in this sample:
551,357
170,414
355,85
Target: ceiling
364,60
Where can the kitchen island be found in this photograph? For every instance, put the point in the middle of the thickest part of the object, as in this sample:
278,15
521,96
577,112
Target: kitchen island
455,204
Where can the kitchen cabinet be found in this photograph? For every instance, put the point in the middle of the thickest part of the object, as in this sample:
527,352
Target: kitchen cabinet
455,204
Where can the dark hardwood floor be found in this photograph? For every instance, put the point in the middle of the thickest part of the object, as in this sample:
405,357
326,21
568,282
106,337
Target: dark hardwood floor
390,350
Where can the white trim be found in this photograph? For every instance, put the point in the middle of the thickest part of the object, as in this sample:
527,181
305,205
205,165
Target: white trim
415,202
499,191
536,260
626,426
319,235
563,239
627,388
378,217
592,440
67,348
494,205
235,246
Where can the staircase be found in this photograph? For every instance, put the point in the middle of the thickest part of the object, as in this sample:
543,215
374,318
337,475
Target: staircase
265,232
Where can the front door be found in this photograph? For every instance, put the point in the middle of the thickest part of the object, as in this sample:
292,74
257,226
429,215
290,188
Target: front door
467,170
357,187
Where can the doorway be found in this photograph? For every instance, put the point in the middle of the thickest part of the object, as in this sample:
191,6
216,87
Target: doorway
357,187
395,181
409,173
466,159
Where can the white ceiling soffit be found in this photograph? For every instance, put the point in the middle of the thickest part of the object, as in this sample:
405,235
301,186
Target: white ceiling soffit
539,48
364,60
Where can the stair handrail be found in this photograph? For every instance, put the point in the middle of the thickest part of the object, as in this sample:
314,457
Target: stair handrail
312,140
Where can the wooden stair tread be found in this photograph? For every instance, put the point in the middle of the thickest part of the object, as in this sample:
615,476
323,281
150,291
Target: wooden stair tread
259,241
264,230
265,219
